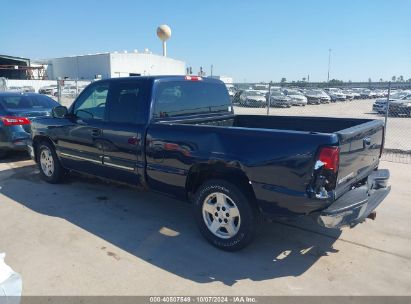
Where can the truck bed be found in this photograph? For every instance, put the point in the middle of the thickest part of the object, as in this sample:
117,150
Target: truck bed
360,140
291,123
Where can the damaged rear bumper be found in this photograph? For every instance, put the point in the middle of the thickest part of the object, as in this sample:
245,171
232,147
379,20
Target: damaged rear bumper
357,204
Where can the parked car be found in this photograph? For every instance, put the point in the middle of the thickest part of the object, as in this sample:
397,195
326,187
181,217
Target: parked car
16,110
179,135
28,89
314,96
365,94
69,90
350,95
297,98
401,107
278,99
253,98
49,90
380,105
14,89
336,94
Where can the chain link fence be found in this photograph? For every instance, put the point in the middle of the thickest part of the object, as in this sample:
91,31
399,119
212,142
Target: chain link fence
67,90
358,102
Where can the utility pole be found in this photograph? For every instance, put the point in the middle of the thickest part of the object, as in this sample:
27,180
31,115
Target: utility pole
211,73
329,64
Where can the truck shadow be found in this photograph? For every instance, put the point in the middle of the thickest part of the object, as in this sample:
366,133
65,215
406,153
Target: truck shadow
162,231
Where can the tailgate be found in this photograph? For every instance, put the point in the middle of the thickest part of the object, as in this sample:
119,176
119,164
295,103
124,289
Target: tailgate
360,148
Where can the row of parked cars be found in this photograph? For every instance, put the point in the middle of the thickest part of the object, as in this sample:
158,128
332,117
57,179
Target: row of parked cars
287,97
400,104
68,90
51,90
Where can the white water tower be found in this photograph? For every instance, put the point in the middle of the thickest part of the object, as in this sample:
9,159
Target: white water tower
164,33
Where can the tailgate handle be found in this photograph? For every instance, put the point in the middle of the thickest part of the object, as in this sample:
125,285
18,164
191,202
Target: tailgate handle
367,141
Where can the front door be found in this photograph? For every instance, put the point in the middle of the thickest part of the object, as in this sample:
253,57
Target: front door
80,143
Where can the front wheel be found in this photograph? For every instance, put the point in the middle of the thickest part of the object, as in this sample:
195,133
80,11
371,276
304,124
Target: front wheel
225,216
50,168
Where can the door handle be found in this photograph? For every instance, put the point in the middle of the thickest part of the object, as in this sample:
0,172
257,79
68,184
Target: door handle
95,132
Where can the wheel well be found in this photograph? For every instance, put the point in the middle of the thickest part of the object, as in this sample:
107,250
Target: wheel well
37,140
201,173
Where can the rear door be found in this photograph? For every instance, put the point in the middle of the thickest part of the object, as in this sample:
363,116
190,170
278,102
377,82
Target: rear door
123,135
360,148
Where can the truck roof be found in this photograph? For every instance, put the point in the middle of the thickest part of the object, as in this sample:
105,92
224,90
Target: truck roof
167,77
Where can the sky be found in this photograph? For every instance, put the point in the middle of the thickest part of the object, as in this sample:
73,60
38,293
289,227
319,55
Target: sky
250,41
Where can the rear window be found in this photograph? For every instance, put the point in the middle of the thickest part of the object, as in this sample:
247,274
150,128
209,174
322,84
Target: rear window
176,98
16,102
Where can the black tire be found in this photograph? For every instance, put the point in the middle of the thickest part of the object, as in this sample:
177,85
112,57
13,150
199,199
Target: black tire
57,174
249,216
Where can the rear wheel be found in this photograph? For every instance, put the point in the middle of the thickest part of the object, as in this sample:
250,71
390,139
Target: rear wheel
50,168
225,216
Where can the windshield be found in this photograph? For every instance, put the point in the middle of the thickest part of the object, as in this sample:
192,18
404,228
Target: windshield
276,93
293,92
312,92
19,102
254,93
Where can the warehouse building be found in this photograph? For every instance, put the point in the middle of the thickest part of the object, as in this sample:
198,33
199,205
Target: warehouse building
109,65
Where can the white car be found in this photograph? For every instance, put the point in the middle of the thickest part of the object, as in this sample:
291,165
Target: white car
297,98
336,94
49,90
69,90
253,98
349,94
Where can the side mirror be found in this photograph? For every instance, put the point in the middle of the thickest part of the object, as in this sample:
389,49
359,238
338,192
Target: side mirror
59,112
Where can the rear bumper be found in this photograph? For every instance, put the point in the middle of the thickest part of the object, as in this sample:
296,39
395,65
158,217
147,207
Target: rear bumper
17,145
13,138
356,205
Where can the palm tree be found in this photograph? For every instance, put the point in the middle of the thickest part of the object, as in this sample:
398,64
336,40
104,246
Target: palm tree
394,78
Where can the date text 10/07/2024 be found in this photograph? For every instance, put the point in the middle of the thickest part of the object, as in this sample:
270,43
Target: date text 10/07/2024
205,299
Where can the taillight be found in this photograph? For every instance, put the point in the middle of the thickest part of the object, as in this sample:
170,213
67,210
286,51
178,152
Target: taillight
14,121
193,78
330,158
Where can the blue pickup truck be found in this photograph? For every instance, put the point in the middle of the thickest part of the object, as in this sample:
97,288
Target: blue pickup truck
179,135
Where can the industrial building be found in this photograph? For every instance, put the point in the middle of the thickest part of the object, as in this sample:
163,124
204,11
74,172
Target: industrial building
12,67
115,64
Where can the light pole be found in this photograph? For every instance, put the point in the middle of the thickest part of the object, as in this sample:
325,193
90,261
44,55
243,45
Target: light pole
329,64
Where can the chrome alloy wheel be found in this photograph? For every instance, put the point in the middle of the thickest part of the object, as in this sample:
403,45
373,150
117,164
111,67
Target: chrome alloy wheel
47,162
221,215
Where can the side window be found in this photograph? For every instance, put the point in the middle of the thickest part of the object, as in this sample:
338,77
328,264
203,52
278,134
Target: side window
125,103
92,103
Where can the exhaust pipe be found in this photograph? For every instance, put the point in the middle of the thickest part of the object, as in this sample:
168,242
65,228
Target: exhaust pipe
372,215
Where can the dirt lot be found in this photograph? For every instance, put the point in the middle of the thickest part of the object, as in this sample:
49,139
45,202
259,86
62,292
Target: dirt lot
87,237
